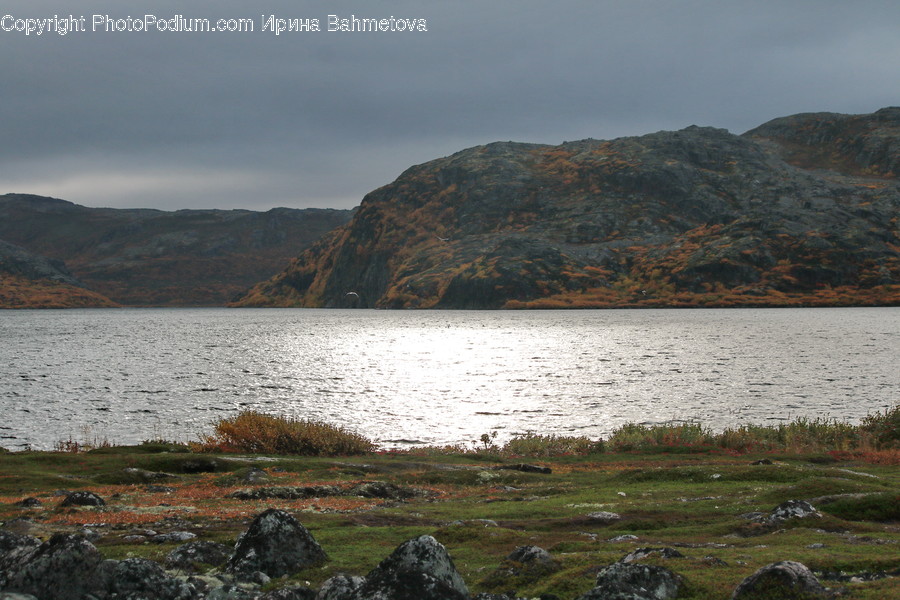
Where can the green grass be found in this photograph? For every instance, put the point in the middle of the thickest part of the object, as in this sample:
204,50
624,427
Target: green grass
690,498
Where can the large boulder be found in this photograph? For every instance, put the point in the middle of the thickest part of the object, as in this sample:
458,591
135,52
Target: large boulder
139,578
15,550
59,569
632,581
275,544
419,568
781,581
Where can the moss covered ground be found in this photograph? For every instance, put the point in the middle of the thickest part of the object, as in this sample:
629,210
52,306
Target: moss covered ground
694,502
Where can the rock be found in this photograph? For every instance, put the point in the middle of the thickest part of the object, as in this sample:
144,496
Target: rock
139,578
29,503
255,475
159,489
15,596
621,581
531,555
627,537
231,592
145,476
276,544
762,461
339,587
15,550
524,564
793,509
58,569
290,593
287,492
419,568
188,556
785,579
604,516
388,491
526,468
642,553
173,536
83,499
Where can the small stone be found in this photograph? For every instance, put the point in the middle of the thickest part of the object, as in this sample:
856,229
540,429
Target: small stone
173,536
642,553
29,503
604,516
623,538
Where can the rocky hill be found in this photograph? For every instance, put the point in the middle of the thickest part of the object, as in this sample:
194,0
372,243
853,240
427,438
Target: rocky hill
800,211
143,257
29,280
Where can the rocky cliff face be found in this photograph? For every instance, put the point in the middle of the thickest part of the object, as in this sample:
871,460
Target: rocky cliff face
800,211
150,257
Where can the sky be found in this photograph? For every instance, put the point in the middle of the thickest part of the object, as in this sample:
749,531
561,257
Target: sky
254,120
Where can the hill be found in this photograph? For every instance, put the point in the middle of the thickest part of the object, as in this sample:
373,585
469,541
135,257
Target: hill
143,257
29,280
800,211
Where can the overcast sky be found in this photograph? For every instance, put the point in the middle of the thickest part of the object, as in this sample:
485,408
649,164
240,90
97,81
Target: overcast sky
317,119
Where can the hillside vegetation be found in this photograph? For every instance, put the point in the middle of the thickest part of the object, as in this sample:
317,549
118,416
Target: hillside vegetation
802,211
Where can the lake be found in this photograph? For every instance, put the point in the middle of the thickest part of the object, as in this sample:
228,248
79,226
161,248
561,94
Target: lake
436,377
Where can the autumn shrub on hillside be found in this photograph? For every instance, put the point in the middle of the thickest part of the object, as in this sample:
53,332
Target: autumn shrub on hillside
259,433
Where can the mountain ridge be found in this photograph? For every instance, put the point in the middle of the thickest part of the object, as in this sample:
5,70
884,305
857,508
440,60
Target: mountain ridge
801,210
149,257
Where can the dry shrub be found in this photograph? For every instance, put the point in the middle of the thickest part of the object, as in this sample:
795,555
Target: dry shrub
260,433
535,445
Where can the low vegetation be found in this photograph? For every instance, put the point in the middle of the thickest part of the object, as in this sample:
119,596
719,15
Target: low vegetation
259,433
679,486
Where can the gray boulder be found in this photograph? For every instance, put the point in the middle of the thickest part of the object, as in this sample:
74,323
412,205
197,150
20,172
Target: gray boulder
83,499
419,568
793,509
339,587
58,569
15,550
630,581
785,579
188,556
275,544
139,578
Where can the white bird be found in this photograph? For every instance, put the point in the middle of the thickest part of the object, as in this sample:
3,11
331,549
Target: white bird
442,239
351,294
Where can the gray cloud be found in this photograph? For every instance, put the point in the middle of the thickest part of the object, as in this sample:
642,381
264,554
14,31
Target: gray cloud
254,120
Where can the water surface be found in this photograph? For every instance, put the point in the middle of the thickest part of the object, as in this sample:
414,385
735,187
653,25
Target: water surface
413,377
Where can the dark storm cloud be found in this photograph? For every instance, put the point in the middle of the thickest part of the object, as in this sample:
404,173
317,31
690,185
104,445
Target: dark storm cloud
255,120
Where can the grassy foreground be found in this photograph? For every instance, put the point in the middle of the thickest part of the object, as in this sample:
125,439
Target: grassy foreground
686,492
